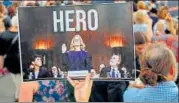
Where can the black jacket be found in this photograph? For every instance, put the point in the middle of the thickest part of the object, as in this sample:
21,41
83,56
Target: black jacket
12,61
43,73
105,91
108,69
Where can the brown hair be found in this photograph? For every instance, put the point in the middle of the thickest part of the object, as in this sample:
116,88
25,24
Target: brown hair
156,62
140,38
12,9
162,12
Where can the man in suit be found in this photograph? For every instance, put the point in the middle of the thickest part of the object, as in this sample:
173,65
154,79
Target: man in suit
113,70
37,71
109,91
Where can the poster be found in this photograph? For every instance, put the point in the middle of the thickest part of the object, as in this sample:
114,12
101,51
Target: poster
61,41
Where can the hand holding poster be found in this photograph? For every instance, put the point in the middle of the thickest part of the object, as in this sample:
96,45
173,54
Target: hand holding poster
61,41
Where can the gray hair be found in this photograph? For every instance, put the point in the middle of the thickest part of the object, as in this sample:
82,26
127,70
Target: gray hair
156,62
159,58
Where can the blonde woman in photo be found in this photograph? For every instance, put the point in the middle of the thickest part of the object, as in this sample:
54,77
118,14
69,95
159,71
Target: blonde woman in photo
77,58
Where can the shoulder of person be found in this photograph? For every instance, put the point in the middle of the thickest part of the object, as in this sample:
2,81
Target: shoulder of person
175,91
2,35
6,35
106,68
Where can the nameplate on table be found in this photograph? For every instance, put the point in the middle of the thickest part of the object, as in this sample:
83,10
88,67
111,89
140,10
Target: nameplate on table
81,73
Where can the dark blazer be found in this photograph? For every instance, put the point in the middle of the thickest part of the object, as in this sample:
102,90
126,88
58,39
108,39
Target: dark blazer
76,60
105,91
108,69
43,73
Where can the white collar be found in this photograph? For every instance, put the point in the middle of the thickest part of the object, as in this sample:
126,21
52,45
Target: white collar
36,71
36,74
55,76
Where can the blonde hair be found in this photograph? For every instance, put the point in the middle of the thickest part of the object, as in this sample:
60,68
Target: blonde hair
140,16
2,10
82,45
141,5
162,12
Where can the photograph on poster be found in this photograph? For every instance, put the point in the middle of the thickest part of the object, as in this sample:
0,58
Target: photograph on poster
61,41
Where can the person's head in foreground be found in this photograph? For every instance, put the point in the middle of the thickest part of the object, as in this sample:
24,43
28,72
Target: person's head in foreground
158,65
158,73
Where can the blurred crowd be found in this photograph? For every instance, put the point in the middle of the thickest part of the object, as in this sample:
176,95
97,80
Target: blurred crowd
152,22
